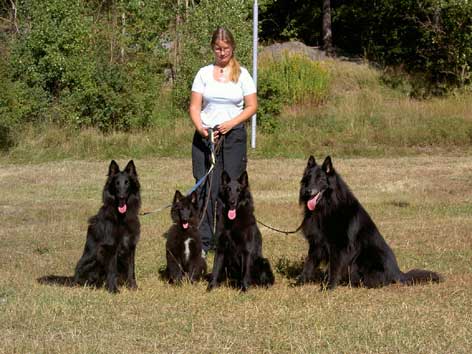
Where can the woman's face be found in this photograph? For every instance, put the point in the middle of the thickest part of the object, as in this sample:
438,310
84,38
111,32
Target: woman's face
223,52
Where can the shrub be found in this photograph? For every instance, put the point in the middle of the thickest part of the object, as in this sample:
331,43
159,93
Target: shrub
91,71
294,79
19,103
50,54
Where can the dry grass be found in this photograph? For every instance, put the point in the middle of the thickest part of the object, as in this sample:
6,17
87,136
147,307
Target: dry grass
421,204
363,117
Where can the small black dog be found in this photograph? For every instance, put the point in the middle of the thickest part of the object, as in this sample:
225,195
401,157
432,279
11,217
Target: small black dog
341,233
184,245
238,257
112,236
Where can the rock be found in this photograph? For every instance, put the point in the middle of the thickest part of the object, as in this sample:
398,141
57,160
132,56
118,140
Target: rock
276,50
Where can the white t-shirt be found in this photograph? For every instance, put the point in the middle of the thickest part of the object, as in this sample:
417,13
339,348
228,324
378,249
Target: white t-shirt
222,101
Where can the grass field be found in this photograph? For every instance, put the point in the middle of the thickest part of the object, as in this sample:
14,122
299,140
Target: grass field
422,205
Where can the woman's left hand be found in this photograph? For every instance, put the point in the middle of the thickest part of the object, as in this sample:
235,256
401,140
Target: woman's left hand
224,128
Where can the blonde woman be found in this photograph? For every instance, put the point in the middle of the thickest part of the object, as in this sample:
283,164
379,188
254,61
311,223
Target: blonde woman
223,98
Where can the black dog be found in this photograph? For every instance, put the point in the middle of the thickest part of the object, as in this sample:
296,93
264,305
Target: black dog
184,245
112,236
238,257
341,233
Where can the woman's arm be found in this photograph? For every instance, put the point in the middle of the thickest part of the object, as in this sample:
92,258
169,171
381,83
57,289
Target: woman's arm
250,108
195,109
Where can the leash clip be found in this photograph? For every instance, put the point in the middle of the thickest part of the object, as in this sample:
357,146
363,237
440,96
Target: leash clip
211,136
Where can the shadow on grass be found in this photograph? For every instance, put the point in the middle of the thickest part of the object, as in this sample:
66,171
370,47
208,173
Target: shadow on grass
288,268
291,269
163,272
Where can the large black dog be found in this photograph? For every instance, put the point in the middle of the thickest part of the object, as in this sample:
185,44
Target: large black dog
184,244
341,233
109,254
238,257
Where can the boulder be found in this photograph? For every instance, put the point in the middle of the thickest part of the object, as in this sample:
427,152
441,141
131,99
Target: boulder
276,50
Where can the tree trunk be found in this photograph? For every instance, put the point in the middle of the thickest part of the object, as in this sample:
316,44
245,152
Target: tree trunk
326,31
123,36
14,24
176,48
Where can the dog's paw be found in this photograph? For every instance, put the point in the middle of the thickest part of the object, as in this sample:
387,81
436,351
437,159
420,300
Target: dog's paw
113,290
299,281
295,284
112,286
211,286
132,286
327,287
244,287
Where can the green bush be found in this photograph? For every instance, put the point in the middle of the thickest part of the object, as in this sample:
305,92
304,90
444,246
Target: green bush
292,80
19,103
270,103
88,70
52,53
446,42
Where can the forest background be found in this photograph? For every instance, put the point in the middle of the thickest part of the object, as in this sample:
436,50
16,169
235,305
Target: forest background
83,73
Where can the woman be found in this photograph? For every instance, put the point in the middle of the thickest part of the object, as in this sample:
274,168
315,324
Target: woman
223,98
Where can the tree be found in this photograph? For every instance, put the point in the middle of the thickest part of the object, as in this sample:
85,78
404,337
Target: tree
282,20
326,28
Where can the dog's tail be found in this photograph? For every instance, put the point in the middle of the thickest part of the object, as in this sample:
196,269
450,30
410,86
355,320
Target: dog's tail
57,280
417,276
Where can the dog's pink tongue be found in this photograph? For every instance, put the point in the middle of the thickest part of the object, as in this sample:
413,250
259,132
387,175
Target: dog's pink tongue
232,214
311,204
185,225
122,209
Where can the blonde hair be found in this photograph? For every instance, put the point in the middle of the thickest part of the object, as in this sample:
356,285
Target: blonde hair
222,34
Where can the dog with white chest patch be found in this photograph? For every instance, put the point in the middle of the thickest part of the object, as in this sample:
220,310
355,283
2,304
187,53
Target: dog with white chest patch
184,245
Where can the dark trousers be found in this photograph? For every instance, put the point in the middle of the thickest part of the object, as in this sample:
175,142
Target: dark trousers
232,158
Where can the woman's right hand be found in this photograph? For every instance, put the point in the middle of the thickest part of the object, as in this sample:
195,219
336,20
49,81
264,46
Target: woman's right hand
203,132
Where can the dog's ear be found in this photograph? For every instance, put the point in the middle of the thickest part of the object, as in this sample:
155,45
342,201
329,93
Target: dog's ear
177,196
193,197
311,162
225,178
131,168
328,165
113,169
243,179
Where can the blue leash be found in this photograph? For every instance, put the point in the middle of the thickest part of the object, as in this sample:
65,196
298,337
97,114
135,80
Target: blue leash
201,180
212,161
